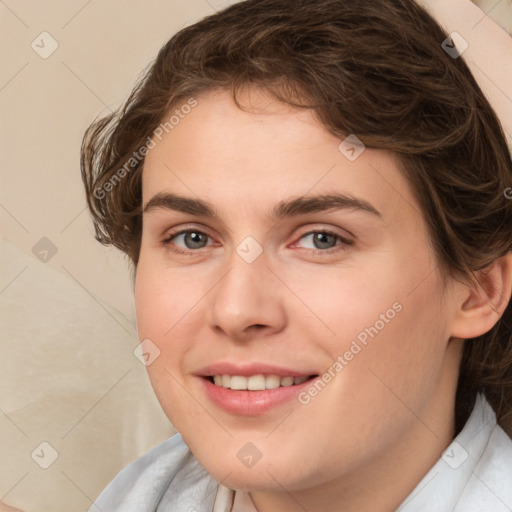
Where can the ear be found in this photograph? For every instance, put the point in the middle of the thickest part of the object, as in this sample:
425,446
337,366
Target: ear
482,303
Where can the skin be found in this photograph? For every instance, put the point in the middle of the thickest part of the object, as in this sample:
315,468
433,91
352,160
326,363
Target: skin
375,430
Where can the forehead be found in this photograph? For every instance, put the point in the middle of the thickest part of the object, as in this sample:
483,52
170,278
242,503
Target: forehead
264,152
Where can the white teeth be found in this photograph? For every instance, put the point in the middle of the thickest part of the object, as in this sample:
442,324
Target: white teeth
238,382
272,382
256,382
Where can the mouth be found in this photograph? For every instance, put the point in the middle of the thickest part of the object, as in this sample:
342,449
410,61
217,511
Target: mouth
259,382
253,390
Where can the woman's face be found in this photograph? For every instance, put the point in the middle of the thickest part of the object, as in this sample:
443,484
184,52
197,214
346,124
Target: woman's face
289,285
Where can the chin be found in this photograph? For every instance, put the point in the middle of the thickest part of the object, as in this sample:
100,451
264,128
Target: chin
265,475
253,479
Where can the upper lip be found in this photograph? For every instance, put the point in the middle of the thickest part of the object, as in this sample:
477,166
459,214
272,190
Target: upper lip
246,370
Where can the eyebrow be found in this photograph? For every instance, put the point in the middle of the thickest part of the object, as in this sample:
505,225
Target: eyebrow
289,208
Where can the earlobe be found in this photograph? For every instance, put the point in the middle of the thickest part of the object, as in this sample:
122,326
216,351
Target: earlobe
485,300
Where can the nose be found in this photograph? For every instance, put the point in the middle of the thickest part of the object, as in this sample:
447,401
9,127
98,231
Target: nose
247,302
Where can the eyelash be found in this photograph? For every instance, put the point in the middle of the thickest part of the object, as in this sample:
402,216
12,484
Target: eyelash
342,246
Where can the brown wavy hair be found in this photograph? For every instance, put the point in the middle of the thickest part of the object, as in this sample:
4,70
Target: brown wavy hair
375,69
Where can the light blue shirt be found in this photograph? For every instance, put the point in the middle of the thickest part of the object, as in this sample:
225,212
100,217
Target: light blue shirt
474,474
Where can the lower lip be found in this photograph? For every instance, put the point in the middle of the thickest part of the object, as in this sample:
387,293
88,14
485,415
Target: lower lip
252,403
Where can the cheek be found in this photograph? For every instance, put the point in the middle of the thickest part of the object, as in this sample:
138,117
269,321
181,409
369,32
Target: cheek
156,304
384,326
170,314
165,300
389,345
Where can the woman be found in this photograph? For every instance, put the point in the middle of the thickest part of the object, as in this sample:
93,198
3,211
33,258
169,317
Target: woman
314,198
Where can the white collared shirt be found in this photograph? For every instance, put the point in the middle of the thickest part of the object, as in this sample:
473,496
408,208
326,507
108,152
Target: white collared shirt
474,474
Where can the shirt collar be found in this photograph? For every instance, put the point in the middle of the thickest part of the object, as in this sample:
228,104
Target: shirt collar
443,485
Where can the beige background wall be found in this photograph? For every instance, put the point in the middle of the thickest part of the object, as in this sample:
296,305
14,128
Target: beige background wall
67,353
46,104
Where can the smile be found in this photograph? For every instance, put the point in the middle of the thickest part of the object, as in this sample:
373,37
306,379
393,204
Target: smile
253,394
258,382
